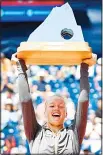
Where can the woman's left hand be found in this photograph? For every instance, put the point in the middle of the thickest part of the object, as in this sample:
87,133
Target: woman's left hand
91,61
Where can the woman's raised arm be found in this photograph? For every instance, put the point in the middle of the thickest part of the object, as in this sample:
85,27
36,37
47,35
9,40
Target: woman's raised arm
29,118
83,102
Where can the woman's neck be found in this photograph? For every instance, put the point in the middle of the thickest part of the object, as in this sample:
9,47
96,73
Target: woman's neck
54,128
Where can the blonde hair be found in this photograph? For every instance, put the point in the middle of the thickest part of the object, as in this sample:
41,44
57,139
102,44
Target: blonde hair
54,97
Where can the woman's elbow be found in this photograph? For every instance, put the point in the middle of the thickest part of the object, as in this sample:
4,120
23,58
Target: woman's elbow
84,97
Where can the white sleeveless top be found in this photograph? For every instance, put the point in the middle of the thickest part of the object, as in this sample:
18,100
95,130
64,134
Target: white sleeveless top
46,142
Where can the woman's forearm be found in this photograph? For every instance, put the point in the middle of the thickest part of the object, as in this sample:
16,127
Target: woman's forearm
84,83
82,108
29,118
23,88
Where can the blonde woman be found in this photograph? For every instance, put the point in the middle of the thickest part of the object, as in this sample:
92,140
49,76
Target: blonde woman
53,137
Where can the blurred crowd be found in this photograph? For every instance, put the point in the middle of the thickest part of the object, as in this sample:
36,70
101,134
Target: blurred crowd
45,81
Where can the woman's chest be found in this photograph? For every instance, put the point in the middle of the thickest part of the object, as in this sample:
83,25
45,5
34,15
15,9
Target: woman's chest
48,143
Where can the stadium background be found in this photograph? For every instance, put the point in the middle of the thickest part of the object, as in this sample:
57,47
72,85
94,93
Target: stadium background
19,18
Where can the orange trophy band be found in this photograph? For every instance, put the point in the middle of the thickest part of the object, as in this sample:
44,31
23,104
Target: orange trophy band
54,53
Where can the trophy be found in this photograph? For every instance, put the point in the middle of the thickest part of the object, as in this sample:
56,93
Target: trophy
57,41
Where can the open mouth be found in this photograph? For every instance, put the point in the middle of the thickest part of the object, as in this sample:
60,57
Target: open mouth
56,115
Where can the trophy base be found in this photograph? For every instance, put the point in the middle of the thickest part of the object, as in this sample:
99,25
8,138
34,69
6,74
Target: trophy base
66,53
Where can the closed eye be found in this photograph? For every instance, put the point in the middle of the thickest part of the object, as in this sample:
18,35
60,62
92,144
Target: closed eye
51,106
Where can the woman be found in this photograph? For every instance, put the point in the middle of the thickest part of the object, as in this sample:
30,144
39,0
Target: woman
53,138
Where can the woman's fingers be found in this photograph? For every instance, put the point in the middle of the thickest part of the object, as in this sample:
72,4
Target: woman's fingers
14,58
19,62
91,61
94,56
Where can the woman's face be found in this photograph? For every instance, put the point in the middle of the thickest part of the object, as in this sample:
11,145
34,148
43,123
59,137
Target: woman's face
56,112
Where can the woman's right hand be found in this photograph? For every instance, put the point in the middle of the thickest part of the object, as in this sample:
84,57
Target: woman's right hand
14,59
21,66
